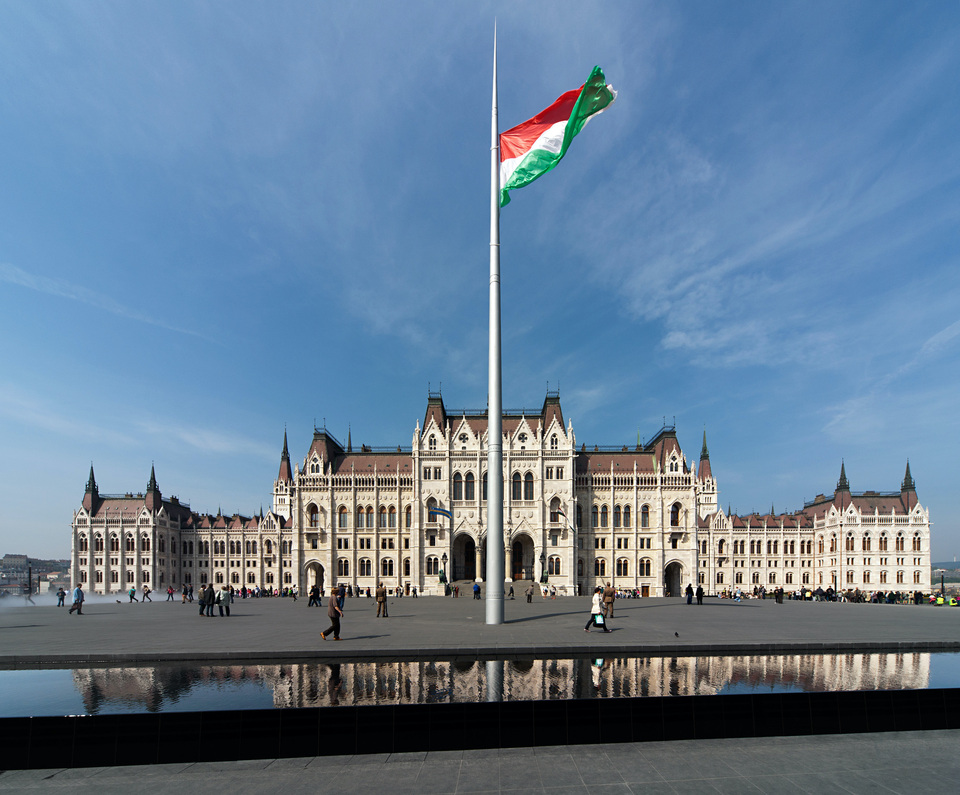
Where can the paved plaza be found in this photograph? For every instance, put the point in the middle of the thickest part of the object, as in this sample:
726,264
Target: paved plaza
263,629
280,628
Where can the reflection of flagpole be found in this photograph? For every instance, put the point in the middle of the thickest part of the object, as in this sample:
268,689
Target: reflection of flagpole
495,555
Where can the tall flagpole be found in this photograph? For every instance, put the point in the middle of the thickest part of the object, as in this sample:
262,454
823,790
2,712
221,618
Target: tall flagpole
495,551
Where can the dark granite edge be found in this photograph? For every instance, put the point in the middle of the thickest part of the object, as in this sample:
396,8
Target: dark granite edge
505,651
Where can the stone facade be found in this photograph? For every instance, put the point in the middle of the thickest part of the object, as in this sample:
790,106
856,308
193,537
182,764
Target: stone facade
638,516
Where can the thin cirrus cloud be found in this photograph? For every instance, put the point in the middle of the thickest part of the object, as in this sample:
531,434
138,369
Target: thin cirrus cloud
73,292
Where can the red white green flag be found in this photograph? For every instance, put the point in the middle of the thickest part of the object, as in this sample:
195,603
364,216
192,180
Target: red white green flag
533,148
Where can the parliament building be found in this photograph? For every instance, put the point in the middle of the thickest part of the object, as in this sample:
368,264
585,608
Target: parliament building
641,517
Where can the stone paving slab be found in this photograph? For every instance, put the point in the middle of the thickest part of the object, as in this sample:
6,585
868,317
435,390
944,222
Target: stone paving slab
438,627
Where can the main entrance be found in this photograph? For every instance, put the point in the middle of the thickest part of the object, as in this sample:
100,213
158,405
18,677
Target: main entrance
521,559
464,558
672,576
314,573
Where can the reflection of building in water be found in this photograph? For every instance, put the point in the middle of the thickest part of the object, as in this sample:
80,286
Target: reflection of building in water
440,681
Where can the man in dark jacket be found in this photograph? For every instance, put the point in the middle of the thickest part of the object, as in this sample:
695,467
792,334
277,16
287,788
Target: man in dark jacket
334,612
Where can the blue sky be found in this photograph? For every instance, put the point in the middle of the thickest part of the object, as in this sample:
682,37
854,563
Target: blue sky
221,220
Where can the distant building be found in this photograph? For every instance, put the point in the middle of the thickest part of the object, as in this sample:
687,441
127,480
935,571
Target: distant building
637,516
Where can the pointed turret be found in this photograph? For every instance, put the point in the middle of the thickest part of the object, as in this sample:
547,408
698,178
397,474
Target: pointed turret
908,490
91,497
285,474
349,439
153,498
842,493
704,473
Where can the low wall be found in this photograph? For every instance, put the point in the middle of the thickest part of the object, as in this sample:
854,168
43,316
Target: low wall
102,740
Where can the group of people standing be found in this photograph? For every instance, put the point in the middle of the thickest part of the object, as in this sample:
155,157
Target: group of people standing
690,593
210,596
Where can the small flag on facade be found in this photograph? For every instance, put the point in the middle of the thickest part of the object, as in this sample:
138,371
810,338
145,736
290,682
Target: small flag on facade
530,150
442,512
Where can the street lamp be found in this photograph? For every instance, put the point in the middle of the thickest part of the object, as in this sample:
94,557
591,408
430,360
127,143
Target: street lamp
543,567
443,560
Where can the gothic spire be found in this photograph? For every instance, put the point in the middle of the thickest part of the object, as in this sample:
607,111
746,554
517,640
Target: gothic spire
907,485
92,482
704,453
843,484
152,485
285,473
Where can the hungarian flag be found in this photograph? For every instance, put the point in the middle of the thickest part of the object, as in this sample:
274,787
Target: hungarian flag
531,149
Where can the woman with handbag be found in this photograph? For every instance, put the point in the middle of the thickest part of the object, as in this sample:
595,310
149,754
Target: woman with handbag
596,612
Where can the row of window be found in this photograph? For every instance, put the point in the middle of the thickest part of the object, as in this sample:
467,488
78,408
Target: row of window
805,579
463,439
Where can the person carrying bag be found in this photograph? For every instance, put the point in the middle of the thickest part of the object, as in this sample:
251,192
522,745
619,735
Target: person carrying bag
596,612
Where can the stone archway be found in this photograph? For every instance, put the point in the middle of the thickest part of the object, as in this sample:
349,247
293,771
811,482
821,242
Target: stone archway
523,565
464,558
314,574
672,578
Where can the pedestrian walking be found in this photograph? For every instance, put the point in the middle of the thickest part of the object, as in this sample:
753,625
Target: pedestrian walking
146,594
530,594
132,593
77,600
699,594
596,612
689,593
334,611
210,597
61,595
476,590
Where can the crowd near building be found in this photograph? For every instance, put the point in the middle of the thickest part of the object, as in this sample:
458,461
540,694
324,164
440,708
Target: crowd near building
642,517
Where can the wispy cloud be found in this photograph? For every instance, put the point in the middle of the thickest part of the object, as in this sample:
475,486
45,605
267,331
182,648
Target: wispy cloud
74,292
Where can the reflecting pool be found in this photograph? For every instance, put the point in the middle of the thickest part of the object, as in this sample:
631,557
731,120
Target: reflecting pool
175,687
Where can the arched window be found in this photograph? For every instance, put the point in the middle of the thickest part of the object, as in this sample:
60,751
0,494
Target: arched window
432,444
470,492
820,545
789,577
98,543
883,543
457,486
517,487
600,567
626,515
131,544
866,543
755,578
623,567
916,578
554,511
314,514
899,547
431,504
645,516
916,543
483,488
392,517
268,547
383,517
806,578
580,567
883,577
849,542
408,517
554,443
386,567
360,520
738,578
342,520
595,516
406,567
269,578
115,544
617,516
900,577
433,566
218,577
528,486
719,578
343,567
81,543
253,544
370,517
645,567
553,565
366,567
866,577
251,578
579,516
144,543
604,517
675,515
720,547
